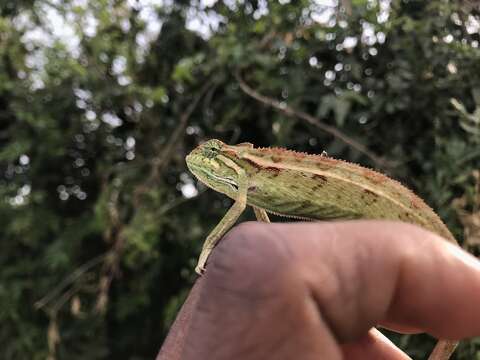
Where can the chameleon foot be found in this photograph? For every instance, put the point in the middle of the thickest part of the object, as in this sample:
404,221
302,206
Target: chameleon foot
202,260
199,270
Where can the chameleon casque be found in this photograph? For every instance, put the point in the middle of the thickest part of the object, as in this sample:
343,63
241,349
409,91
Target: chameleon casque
309,187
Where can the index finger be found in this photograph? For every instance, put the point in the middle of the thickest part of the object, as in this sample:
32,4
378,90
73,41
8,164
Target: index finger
364,273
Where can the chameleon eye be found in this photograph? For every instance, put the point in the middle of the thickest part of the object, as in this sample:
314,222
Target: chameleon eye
211,149
211,152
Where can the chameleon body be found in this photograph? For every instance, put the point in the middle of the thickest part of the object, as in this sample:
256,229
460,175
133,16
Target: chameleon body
303,186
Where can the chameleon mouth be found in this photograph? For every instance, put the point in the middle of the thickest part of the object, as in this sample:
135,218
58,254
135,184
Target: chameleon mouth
210,178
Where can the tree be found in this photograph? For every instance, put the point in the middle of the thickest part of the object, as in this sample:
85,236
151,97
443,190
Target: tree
100,220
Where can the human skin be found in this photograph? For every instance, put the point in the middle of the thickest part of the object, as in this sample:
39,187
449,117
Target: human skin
316,291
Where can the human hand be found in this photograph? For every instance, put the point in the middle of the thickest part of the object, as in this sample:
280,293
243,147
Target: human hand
316,290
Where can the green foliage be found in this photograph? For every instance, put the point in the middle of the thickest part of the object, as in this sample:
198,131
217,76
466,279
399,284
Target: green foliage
100,221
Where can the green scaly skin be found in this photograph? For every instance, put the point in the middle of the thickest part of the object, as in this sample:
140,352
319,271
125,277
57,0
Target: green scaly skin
303,186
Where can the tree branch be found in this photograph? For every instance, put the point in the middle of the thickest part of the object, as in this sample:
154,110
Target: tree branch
166,153
294,113
168,150
77,273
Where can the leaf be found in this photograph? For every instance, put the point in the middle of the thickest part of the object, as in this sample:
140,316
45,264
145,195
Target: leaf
340,105
184,69
468,122
158,94
476,96
341,109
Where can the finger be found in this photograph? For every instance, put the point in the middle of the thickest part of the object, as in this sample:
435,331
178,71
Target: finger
368,272
400,329
293,289
445,283
172,348
373,346
250,308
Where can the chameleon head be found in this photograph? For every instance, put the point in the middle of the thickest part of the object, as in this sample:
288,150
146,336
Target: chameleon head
207,163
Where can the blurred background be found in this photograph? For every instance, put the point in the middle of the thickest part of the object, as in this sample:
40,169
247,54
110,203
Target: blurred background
100,101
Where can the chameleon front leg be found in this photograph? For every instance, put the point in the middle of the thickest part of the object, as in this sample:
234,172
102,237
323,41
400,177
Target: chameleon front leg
261,214
227,221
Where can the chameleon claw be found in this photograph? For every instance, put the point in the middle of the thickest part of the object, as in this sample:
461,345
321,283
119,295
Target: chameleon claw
202,261
200,270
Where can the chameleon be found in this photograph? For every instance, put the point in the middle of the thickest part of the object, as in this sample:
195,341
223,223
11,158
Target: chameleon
306,187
